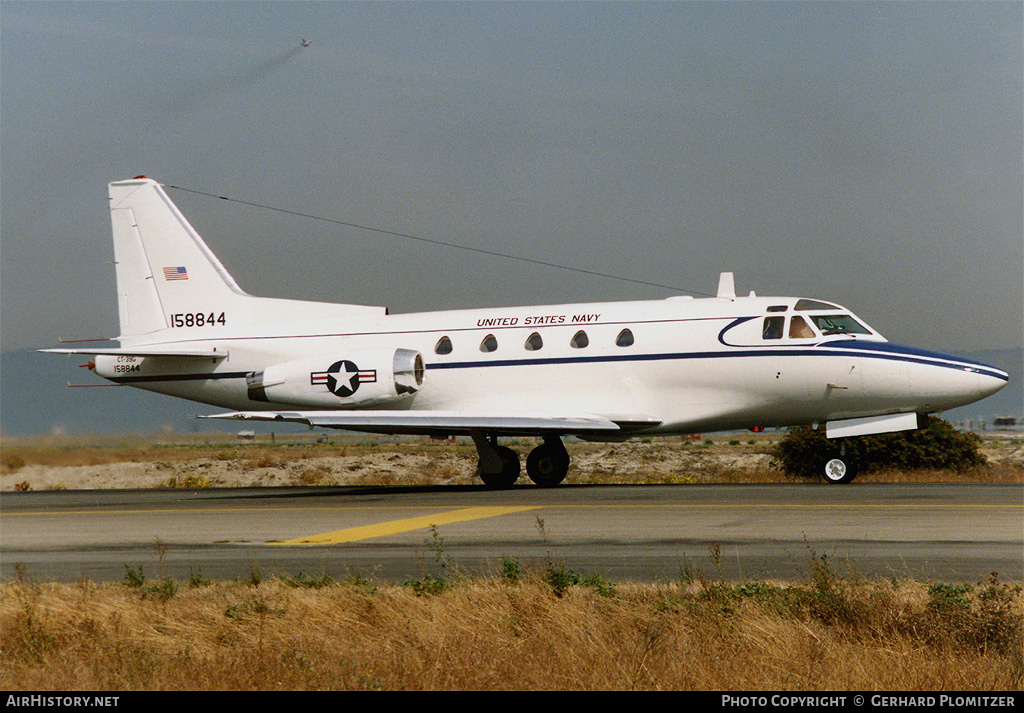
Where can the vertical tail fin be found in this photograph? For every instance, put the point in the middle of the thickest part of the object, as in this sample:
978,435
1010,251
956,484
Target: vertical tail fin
167,277
163,266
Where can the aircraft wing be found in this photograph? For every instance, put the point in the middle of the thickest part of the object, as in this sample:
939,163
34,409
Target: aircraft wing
143,352
447,423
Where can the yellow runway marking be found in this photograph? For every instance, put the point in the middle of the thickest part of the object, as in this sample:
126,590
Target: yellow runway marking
393,527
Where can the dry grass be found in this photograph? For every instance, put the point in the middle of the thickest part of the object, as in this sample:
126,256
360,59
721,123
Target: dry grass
214,461
70,451
546,629
991,473
549,629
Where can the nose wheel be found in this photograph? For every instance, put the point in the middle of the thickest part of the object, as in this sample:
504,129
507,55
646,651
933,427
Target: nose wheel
838,468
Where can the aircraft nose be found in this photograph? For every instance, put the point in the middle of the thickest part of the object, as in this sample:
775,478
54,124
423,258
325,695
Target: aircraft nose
986,381
944,382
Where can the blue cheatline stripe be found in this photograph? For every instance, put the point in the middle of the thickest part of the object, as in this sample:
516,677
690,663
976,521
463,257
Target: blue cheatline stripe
915,355
870,350
891,352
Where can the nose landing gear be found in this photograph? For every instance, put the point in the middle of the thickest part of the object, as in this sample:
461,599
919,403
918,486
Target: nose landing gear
838,467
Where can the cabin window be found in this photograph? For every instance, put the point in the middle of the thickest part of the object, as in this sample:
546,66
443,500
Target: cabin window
443,346
799,329
534,342
579,340
839,324
625,338
489,344
773,327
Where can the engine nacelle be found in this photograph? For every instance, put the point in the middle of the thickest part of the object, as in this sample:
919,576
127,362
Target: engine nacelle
362,378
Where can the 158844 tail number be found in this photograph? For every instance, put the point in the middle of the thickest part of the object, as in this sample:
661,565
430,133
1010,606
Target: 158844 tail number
198,319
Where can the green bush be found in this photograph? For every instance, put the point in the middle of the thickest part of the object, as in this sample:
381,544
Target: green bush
935,445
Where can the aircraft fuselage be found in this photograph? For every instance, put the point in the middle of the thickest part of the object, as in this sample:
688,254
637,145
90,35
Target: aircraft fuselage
693,364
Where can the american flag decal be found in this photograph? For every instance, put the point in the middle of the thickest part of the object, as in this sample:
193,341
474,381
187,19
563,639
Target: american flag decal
175,273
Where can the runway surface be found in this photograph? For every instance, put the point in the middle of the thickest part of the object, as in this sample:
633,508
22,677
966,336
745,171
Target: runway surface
945,532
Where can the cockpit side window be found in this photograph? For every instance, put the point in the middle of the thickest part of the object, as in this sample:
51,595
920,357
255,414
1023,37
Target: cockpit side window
799,329
773,327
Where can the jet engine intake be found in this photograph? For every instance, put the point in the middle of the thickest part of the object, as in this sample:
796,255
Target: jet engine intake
354,379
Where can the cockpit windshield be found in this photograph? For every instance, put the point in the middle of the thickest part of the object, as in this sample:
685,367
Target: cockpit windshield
838,324
775,326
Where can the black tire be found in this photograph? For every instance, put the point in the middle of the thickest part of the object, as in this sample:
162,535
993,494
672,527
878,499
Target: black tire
509,470
838,469
547,465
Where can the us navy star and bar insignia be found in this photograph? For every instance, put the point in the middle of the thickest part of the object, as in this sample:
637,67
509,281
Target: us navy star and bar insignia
343,377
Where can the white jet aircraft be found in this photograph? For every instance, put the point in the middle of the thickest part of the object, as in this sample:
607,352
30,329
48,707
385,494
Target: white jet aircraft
598,371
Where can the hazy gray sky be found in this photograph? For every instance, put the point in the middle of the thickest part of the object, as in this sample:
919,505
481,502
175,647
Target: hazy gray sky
866,153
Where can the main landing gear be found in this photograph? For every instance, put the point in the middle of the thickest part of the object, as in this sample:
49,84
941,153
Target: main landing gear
498,467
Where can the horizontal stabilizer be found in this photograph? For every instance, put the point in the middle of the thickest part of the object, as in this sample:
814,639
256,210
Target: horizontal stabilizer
445,422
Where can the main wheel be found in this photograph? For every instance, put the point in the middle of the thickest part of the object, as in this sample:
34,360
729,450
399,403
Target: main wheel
509,470
547,464
838,469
